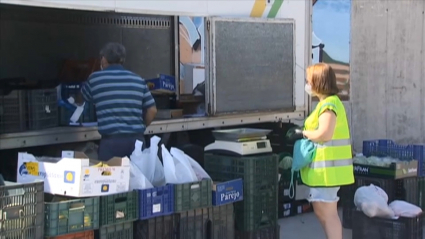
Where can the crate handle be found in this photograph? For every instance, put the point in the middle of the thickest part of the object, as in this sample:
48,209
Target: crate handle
195,186
120,206
74,207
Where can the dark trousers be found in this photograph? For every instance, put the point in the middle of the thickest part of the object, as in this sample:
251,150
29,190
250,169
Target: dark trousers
121,145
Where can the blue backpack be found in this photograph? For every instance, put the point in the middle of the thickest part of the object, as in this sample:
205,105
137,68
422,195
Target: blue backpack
304,151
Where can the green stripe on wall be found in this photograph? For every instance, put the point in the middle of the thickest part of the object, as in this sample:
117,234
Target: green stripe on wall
275,8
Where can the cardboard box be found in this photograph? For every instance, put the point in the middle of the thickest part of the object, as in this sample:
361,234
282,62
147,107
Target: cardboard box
404,169
227,192
73,174
164,84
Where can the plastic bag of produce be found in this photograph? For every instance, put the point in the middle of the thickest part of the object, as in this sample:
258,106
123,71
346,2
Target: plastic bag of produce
148,162
199,171
405,209
138,181
373,201
177,169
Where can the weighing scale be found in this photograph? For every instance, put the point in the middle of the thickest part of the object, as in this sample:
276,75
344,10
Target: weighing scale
245,141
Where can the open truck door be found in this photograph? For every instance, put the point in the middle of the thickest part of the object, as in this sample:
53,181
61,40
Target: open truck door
251,65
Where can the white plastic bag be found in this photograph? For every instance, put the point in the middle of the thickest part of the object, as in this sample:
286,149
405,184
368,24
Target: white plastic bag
199,171
148,162
405,209
373,201
138,181
177,169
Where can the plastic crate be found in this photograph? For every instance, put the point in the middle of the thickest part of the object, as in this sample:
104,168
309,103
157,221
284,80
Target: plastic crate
42,109
116,231
66,109
260,178
119,208
161,227
154,202
373,228
190,196
265,233
70,216
194,224
386,147
421,193
284,183
22,210
223,222
12,112
78,235
397,189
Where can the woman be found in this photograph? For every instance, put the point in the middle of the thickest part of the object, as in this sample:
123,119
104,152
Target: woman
332,165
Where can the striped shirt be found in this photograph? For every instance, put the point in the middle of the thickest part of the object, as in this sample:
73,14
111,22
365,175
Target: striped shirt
120,96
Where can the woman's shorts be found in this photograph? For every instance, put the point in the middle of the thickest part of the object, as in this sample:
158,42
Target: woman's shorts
323,194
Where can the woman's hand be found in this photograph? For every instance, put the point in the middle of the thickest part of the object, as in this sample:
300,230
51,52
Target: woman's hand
294,134
325,132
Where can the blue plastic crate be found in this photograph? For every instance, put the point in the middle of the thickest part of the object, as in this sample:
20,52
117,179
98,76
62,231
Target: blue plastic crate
156,202
227,192
386,147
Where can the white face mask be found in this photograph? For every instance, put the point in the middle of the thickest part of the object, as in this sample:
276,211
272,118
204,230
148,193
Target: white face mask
307,89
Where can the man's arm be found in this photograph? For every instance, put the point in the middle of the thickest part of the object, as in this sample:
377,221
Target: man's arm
150,115
85,94
149,107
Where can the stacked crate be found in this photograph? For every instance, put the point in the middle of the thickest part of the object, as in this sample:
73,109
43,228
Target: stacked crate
66,217
22,210
256,215
399,184
117,214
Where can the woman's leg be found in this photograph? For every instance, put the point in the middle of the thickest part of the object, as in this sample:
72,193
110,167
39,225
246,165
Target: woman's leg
327,213
325,204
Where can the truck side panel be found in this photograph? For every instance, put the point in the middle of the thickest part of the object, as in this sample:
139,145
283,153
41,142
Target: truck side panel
387,71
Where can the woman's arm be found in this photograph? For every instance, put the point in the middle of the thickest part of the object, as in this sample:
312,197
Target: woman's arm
325,132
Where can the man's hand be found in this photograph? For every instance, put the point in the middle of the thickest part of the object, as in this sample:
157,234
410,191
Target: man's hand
149,115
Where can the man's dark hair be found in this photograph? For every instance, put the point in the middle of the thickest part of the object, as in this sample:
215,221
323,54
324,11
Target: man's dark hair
114,53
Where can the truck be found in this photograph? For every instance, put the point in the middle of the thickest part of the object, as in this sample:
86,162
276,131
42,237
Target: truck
254,54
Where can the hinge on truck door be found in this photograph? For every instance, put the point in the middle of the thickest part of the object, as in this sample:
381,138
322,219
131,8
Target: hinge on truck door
208,25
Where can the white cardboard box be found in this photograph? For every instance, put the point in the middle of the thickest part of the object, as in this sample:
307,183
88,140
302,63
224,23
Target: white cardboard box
72,175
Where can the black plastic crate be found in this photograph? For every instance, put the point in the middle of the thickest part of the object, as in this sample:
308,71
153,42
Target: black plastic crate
161,227
286,209
119,208
42,109
284,183
188,196
421,193
115,231
223,222
373,228
194,224
265,233
12,112
63,215
22,210
397,189
256,171
260,178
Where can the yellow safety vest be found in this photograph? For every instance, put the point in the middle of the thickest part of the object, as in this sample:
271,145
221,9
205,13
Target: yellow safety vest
333,162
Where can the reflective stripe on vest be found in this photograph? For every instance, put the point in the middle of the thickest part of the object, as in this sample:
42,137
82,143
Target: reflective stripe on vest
331,163
335,142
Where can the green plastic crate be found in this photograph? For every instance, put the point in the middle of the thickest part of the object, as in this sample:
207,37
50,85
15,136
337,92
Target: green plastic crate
190,196
260,176
116,231
119,208
70,216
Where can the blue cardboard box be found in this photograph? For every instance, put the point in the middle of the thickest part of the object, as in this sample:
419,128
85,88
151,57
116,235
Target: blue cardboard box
162,84
227,192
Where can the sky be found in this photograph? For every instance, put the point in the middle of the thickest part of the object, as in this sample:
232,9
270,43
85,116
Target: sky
331,24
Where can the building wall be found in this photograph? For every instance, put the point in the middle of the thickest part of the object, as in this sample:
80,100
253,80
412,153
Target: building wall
387,62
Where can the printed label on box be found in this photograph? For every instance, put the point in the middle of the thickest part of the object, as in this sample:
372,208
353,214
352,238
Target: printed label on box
156,208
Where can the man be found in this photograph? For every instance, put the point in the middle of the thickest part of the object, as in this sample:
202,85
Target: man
124,105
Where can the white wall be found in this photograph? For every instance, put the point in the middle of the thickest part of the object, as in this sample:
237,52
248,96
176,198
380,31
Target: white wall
387,71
